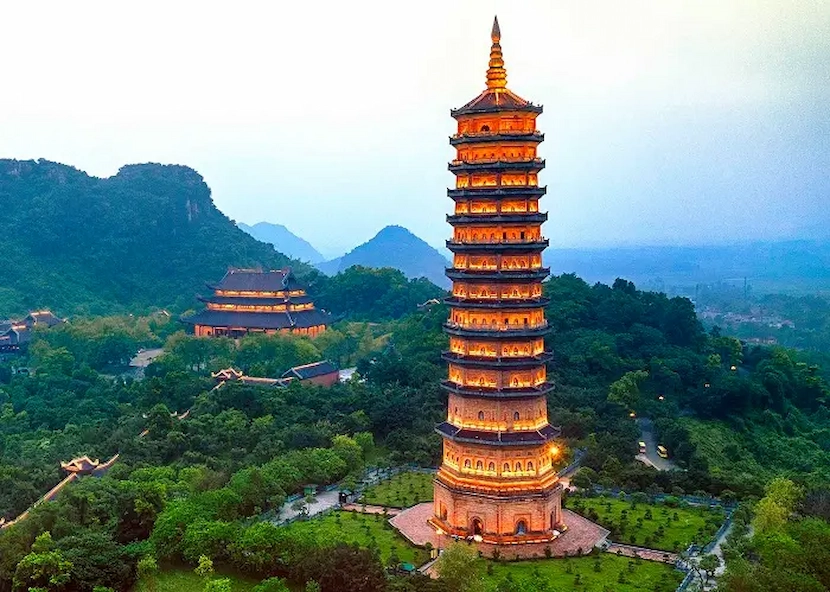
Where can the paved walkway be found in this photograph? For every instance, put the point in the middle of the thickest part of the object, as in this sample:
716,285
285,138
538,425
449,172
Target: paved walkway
581,534
322,501
643,553
369,509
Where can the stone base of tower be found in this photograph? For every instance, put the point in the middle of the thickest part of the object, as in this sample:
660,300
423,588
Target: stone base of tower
498,520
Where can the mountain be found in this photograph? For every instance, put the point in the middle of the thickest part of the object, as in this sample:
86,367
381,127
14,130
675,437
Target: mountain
394,246
149,236
773,266
283,241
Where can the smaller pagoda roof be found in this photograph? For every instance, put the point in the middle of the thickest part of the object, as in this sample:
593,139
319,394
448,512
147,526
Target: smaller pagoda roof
82,465
496,97
43,317
258,320
256,280
313,370
256,300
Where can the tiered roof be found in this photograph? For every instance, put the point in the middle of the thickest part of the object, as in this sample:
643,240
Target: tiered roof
254,287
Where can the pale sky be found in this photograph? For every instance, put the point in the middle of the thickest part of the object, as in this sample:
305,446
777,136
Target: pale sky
666,122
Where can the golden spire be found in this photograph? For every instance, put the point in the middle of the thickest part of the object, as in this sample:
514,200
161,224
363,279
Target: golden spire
496,74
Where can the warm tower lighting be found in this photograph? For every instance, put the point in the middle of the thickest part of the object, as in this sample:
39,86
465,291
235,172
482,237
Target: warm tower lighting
497,482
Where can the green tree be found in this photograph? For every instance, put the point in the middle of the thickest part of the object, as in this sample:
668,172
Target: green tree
626,390
460,567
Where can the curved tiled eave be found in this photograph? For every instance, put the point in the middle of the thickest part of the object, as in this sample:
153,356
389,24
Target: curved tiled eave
495,393
490,331
497,275
497,138
482,166
503,218
501,304
467,110
505,362
497,192
506,247
488,438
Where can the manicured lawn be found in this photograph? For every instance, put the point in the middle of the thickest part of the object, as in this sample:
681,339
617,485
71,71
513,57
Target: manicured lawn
650,525
401,491
182,579
579,573
363,529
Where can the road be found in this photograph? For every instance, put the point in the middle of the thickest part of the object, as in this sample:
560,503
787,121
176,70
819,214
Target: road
143,358
650,457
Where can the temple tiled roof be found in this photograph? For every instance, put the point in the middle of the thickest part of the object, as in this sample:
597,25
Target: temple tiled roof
311,370
258,320
43,317
517,438
82,464
254,280
256,301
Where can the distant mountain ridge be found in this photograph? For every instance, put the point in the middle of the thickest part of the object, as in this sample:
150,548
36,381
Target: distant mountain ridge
284,241
396,247
148,237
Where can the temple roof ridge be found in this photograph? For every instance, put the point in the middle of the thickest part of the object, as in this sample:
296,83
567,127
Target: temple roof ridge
496,96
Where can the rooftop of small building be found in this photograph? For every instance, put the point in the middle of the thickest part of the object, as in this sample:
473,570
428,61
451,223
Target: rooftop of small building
312,370
257,280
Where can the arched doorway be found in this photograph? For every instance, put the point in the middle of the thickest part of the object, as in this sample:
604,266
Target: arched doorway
476,526
521,527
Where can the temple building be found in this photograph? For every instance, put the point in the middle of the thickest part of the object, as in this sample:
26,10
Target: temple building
256,301
498,481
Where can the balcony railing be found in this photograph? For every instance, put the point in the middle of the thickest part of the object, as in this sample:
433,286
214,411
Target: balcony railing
496,326
498,241
498,161
497,133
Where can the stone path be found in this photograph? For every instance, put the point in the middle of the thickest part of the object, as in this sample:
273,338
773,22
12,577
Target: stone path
370,509
322,501
581,534
643,553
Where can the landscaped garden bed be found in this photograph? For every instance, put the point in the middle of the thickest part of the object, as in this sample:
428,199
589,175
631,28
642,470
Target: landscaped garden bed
366,530
400,491
597,573
670,525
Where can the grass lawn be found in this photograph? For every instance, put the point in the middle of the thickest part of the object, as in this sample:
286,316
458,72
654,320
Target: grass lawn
182,579
401,491
650,525
353,527
645,576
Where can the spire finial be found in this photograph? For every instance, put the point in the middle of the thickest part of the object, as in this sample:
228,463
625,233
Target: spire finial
496,74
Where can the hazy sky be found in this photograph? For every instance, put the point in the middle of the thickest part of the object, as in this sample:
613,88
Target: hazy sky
666,122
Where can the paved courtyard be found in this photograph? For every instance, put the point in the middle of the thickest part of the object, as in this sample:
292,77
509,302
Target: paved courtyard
581,534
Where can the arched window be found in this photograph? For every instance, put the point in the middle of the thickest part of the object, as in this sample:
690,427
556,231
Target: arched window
505,468
485,128
479,465
521,527
515,413
491,467
481,415
518,467
529,466
467,464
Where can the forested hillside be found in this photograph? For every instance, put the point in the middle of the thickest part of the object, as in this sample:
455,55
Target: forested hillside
208,484
149,236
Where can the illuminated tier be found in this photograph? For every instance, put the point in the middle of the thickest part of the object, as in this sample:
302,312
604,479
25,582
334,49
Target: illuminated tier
497,480
255,301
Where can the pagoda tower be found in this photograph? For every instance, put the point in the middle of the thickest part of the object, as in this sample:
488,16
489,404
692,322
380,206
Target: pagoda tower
497,482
